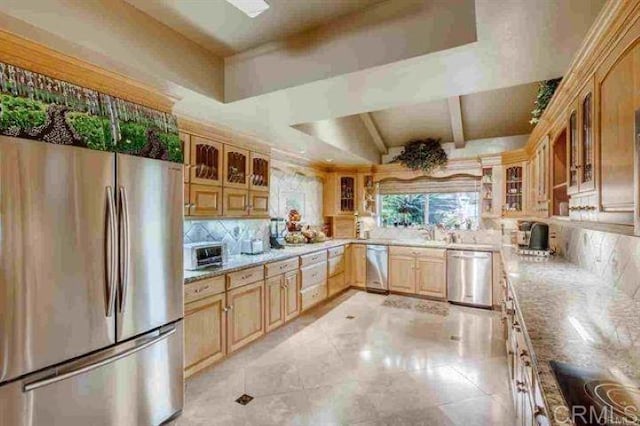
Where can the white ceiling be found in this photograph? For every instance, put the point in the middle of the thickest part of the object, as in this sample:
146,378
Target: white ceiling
224,30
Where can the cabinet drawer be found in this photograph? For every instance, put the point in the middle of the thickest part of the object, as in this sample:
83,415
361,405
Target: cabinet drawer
313,295
417,251
310,259
336,251
281,267
201,289
314,274
336,284
336,265
244,277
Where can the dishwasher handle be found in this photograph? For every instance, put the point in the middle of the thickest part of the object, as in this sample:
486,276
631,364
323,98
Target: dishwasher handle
462,255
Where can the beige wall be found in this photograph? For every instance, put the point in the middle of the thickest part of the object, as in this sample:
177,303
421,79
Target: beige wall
116,36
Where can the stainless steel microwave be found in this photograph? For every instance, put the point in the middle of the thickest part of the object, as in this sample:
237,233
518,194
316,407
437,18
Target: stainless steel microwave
203,255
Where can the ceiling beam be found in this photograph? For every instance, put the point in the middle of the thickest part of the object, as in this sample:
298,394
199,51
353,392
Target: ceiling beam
367,119
456,121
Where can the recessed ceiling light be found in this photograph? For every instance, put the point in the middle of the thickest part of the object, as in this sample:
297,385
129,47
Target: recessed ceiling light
302,151
329,160
251,8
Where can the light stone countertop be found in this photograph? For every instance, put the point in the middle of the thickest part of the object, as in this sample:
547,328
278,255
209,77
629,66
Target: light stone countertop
572,316
239,262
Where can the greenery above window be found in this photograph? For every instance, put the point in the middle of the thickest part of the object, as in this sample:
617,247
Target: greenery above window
545,92
423,154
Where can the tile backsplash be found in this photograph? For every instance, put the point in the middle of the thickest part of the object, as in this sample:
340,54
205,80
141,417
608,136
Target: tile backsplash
613,257
291,190
288,190
232,232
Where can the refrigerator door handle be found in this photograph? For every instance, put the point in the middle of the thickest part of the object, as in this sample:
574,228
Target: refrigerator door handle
112,252
92,365
124,248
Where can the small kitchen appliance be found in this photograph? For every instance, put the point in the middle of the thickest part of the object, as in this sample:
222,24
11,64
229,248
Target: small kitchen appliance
539,238
277,227
203,255
252,246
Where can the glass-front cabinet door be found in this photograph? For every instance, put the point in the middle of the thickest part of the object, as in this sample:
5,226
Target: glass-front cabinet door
573,154
347,194
587,141
514,176
236,167
259,179
205,161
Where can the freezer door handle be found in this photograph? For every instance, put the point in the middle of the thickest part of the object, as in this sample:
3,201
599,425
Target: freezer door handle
93,364
124,248
111,252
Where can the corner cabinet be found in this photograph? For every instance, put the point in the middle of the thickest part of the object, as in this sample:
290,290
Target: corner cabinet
340,194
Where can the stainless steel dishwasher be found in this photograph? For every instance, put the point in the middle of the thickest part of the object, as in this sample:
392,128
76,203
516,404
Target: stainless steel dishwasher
377,269
469,277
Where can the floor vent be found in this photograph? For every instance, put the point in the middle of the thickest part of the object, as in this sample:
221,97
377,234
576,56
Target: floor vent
456,338
349,317
244,399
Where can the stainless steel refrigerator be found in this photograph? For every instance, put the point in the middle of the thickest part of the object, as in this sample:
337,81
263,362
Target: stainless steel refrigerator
91,286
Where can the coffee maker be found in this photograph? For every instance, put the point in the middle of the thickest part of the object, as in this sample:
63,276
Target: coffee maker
533,236
277,228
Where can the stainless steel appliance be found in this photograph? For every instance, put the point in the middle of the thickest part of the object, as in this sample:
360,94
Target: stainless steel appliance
252,246
469,277
91,286
377,269
203,255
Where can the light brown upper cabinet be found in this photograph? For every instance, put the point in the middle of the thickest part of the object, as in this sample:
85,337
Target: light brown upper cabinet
185,141
258,204
236,167
573,152
617,83
205,200
514,188
235,202
206,161
260,172
581,150
340,194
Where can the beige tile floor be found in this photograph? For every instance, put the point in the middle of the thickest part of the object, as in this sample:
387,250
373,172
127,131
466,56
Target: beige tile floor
386,366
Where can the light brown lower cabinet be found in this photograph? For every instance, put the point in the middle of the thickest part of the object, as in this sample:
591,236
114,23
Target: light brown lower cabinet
359,265
291,295
418,271
281,299
402,272
274,303
245,317
431,277
336,284
204,333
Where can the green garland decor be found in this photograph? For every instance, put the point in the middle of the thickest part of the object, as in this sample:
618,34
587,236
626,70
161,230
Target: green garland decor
546,89
423,154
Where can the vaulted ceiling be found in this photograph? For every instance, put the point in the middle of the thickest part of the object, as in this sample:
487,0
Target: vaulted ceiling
461,70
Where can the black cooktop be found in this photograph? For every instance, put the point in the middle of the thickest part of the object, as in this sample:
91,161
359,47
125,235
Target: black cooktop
595,397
